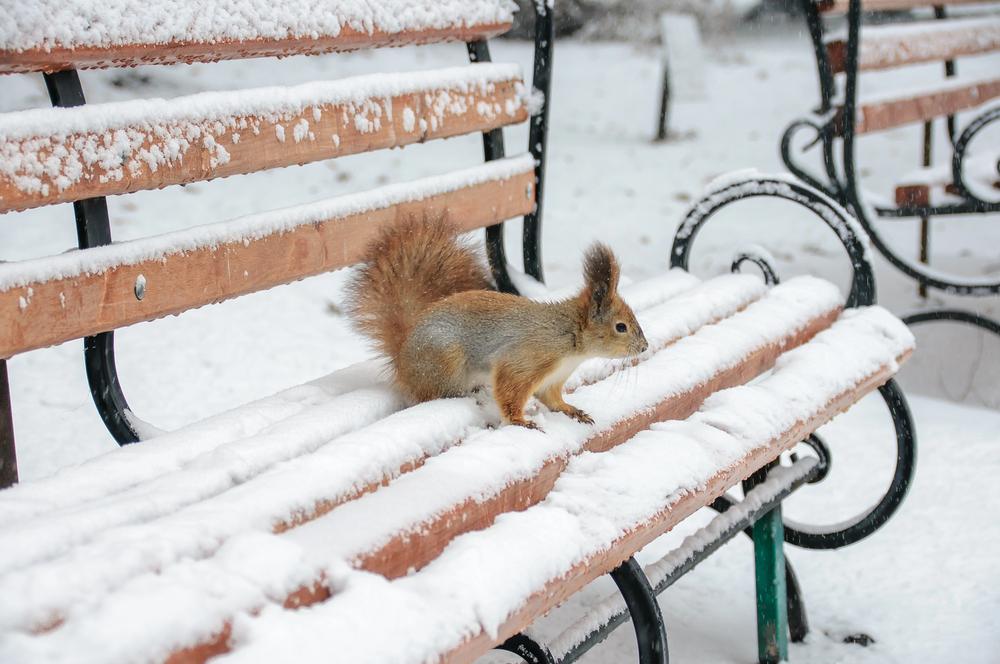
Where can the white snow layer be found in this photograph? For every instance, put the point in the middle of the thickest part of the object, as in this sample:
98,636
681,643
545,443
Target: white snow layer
42,148
253,468
491,460
48,24
252,227
613,605
483,577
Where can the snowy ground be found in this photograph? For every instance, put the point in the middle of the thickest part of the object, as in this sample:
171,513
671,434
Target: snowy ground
922,587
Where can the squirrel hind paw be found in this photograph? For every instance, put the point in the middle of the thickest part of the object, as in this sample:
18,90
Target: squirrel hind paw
527,424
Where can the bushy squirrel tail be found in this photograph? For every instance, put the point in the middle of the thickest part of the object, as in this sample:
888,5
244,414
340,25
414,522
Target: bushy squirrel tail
411,265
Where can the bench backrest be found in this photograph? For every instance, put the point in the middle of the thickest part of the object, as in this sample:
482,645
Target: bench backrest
54,36
841,6
903,44
74,154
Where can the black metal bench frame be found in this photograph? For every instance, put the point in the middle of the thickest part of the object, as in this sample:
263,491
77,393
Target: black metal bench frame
781,611
834,130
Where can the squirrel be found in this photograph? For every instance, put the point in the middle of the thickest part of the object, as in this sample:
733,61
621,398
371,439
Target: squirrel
426,301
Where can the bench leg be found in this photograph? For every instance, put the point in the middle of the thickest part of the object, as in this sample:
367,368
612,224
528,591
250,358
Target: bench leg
662,131
925,230
772,605
650,633
8,458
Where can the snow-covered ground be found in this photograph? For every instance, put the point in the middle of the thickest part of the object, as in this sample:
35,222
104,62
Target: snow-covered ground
923,587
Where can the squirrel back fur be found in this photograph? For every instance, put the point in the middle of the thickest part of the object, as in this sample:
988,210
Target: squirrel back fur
410,266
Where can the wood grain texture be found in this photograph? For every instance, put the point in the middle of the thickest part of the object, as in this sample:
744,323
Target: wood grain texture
882,115
49,312
131,55
557,590
884,51
841,6
214,146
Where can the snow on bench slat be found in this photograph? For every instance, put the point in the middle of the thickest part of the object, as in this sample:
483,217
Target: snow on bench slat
131,465
343,465
338,470
50,35
188,603
63,154
57,298
789,304
414,511
779,479
886,46
488,584
886,110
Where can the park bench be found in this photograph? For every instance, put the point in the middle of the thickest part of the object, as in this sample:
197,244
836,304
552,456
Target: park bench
330,521
966,181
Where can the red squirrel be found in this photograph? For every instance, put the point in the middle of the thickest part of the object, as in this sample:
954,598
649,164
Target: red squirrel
426,300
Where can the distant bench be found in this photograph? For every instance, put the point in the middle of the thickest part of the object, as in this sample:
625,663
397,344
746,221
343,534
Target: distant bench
329,519
968,179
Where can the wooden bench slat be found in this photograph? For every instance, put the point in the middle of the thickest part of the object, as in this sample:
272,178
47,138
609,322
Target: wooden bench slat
158,511
58,35
887,46
51,300
641,490
841,6
948,99
66,154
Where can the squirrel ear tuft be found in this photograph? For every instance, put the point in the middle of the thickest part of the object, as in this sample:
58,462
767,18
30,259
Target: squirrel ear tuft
600,274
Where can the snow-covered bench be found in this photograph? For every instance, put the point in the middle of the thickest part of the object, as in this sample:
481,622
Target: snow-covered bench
330,520
967,179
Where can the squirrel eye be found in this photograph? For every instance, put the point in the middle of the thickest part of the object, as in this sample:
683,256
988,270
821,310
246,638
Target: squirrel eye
621,327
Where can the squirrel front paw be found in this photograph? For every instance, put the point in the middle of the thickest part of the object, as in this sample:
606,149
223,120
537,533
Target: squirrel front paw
578,415
575,413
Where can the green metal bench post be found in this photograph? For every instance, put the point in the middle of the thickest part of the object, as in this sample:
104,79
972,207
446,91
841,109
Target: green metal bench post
769,572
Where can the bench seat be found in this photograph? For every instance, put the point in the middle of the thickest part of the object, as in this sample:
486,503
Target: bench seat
602,509
202,540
